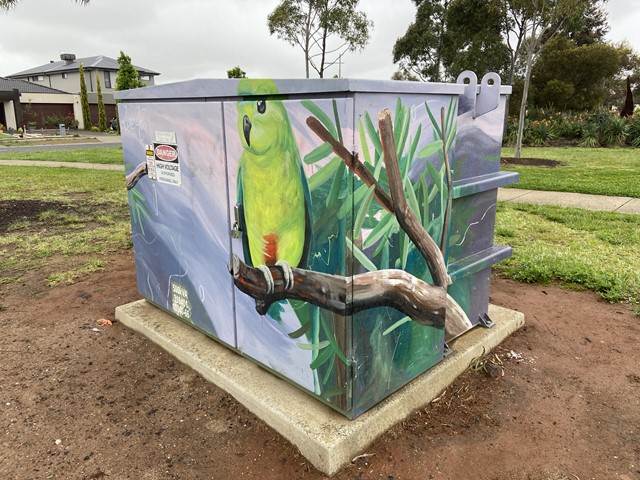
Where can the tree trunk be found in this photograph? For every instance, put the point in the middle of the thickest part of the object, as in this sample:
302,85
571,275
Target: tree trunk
525,91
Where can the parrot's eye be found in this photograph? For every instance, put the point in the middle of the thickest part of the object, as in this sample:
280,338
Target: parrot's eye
262,106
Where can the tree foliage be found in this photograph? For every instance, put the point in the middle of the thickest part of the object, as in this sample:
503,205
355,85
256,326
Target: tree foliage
84,100
236,72
473,38
102,115
323,29
8,4
572,77
420,50
127,74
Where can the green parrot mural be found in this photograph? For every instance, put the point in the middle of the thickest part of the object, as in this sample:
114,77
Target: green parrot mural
272,187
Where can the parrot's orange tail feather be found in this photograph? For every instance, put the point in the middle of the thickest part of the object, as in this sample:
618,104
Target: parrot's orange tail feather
270,249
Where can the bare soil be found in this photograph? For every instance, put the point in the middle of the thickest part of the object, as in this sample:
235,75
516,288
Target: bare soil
532,162
84,400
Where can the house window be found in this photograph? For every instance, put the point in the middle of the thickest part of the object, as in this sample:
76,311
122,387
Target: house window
65,75
107,80
38,78
145,78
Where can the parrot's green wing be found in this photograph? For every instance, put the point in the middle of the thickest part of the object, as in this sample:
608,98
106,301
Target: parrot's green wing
276,308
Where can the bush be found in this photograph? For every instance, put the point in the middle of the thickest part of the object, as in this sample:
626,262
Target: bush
600,128
541,133
633,132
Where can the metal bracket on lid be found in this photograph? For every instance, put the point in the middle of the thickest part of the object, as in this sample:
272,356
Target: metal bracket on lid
468,101
479,100
489,97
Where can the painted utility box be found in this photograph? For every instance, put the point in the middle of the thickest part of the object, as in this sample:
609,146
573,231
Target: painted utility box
337,247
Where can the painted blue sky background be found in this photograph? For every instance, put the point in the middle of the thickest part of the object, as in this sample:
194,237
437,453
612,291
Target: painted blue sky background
204,38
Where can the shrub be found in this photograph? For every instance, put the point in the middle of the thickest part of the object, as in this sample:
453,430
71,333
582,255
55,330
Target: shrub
541,133
633,132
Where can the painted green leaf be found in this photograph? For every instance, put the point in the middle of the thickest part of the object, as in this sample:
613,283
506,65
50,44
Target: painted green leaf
324,173
320,115
363,143
383,226
332,340
412,200
337,119
302,330
434,123
430,149
336,186
404,133
318,154
349,202
384,258
362,211
372,132
414,143
314,346
322,358
405,249
327,374
360,256
399,323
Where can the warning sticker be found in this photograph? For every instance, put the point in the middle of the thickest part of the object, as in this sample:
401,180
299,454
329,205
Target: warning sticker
166,137
167,163
180,303
151,163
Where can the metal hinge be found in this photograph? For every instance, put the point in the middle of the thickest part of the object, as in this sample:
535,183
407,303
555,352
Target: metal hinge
236,231
446,351
486,322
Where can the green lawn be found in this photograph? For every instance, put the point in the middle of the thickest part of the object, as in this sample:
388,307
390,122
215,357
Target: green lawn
600,171
112,155
598,251
80,214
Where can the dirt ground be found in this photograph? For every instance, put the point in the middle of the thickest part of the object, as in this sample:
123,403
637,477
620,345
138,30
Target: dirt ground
80,400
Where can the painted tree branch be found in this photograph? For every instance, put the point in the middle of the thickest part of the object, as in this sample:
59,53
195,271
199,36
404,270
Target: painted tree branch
352,161
406,218
420,301
135,176
423,303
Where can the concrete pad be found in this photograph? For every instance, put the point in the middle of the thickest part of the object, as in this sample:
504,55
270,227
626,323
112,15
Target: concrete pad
632,206
326,438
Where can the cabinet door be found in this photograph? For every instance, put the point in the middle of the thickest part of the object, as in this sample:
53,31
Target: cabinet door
180,211
295,196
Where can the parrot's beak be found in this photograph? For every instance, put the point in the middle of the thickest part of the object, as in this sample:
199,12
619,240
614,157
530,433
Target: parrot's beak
246,128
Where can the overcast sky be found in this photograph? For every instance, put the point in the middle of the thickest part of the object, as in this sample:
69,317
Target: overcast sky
186,39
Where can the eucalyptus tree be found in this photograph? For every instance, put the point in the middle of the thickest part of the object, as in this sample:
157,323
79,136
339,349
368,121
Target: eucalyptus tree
323,29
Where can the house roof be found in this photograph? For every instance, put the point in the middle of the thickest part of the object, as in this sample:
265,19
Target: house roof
99,62
8,84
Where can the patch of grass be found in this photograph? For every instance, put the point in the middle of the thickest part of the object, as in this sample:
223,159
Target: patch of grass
63,184
598,251
93,219
601,171
111,155
70,276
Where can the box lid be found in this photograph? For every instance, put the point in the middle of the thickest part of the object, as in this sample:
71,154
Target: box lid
228,88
